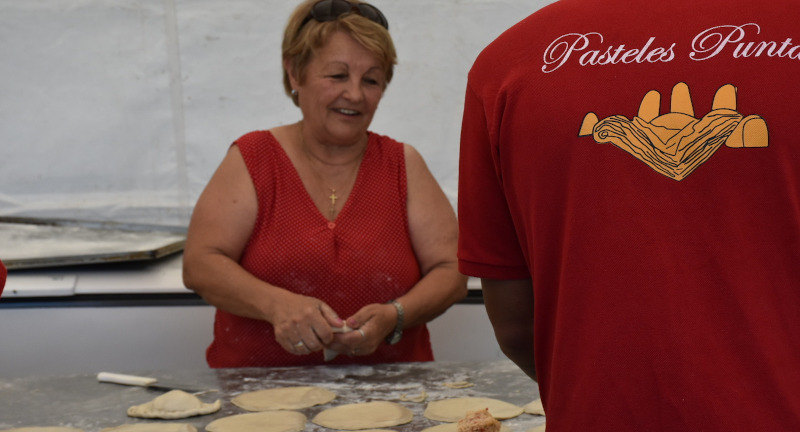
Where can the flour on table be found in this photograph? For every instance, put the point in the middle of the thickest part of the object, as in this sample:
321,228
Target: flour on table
267,421
175,404
452,410
364,416
534,408
152,427
285,398
43,429
419,398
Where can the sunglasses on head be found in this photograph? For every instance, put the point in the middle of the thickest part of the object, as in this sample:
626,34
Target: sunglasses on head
330,10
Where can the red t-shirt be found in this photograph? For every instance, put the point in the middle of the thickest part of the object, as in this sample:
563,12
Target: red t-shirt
3,274
365,256
664,249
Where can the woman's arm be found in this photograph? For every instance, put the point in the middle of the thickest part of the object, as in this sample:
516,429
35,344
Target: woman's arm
434,237
221,225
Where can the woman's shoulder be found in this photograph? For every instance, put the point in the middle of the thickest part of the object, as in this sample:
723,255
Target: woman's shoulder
260,150
406,151
390,147
259,144
255,138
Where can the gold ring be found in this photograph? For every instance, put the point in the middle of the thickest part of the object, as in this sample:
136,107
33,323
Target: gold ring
363,336
299,344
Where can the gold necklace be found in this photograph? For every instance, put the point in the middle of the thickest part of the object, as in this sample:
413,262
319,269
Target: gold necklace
332,197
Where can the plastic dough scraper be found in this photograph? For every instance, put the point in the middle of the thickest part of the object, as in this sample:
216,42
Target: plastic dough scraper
140,381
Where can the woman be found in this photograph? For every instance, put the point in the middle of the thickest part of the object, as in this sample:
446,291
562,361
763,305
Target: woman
320,236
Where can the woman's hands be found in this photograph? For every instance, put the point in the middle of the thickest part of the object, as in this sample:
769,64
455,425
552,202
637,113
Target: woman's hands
303,324
370,325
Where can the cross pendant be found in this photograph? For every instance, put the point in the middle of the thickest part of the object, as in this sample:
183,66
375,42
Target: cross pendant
333,197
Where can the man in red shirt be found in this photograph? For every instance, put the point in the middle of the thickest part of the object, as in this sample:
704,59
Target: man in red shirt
3,274
630,196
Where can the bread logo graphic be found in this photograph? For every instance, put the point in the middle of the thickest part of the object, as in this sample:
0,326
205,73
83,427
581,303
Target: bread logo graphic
676,143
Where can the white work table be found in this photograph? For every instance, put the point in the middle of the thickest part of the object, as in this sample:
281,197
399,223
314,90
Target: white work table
138,315
161,276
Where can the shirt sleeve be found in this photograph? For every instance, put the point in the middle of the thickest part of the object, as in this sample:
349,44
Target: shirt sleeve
2,277
488,245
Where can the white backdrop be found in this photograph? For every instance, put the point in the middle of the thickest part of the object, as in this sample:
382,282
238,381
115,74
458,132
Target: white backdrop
121,109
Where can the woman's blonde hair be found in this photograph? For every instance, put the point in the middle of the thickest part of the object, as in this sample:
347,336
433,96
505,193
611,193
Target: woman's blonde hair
301,40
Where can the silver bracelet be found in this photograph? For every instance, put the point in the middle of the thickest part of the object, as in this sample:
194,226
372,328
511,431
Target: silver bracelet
398,329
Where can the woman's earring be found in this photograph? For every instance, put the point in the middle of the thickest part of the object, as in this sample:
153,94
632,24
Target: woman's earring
294,92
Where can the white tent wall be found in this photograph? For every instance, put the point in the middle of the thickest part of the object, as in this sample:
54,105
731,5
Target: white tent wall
122,109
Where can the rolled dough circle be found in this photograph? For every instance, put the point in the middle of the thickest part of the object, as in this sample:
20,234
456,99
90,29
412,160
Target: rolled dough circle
43,429
267,421
540,428
453,410
453,427
364,416
283,398
534,407
152,427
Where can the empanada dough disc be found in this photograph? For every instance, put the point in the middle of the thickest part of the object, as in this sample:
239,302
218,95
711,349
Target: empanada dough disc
284,398
176,404
534,408
458,385
453,410
453,427
43,429
540,428
152,427
364,416
267,421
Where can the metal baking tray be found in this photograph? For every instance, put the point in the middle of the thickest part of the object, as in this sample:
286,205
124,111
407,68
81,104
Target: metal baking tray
35,243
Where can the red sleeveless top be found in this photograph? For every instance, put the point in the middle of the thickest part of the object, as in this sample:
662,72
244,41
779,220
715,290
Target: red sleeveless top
365,256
